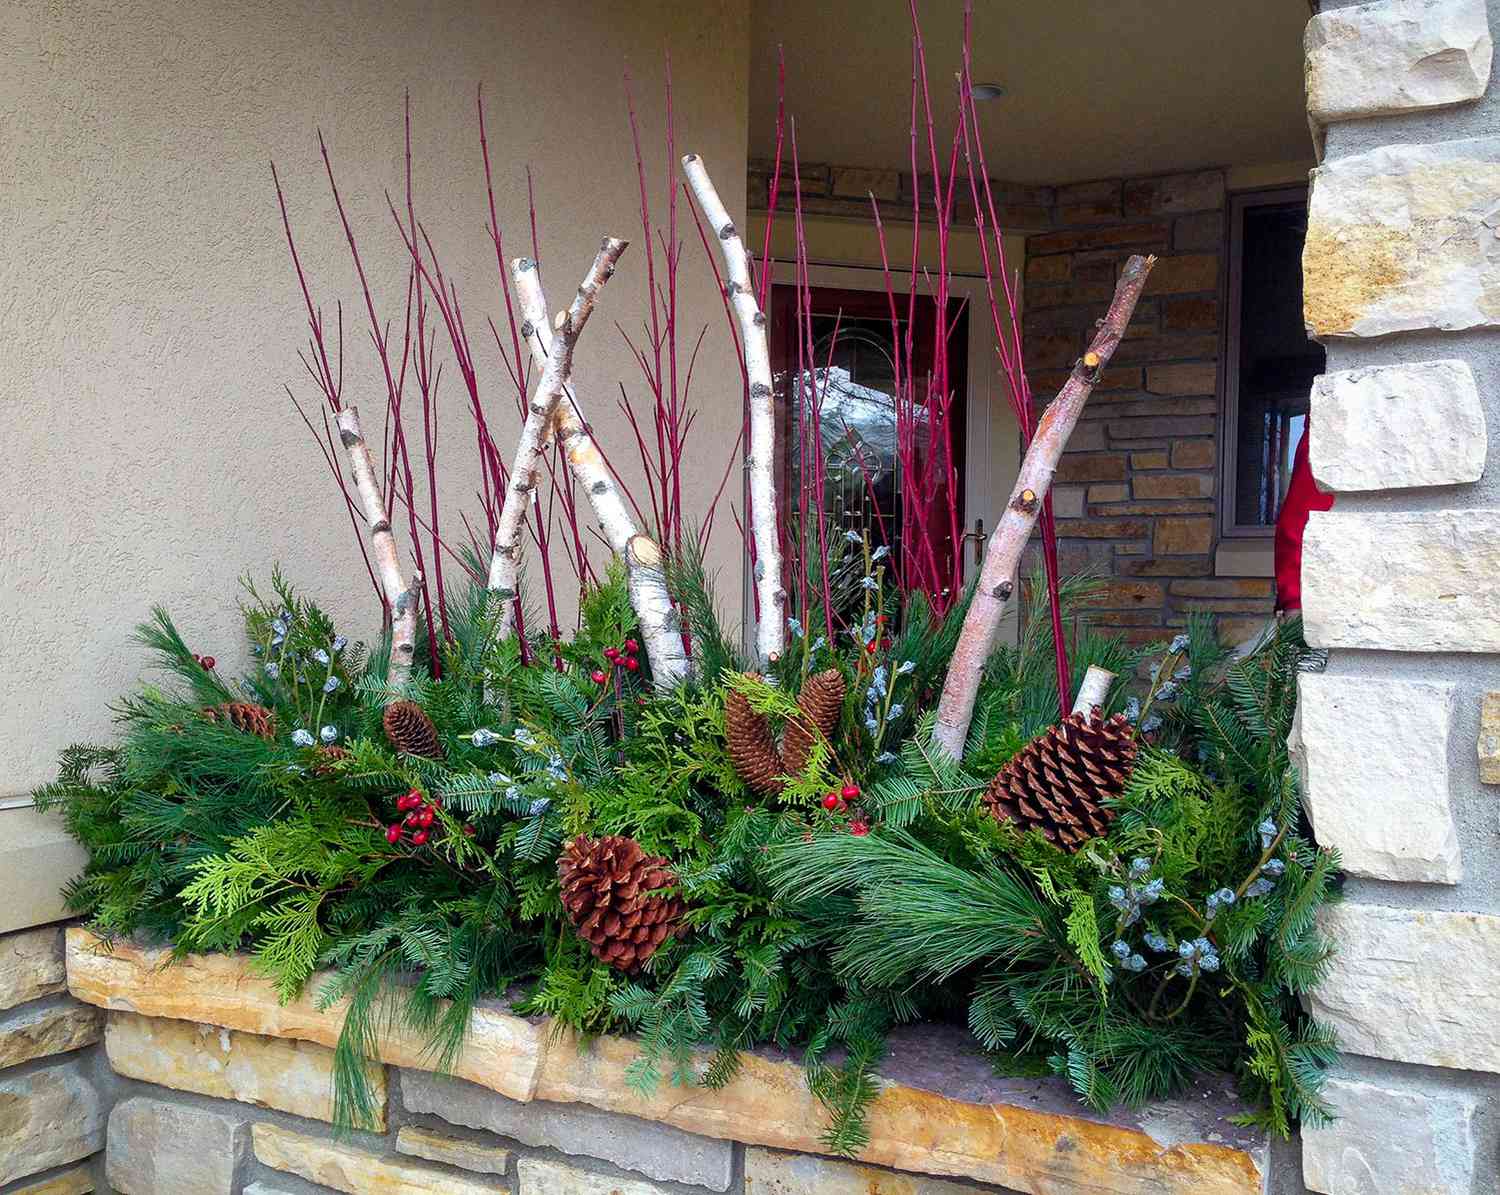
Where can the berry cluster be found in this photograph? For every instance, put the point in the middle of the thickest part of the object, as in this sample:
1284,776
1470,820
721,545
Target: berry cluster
419,812
837,802
618,657
207,663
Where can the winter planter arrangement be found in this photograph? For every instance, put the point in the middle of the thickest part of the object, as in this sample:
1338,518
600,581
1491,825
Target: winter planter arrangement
877,815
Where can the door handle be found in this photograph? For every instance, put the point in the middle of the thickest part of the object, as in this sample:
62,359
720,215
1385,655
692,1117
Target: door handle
978,536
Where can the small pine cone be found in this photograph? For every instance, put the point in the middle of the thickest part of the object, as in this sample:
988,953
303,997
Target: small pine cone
752,747
244,716
821,702
411,731
327,757
609,889
1058,782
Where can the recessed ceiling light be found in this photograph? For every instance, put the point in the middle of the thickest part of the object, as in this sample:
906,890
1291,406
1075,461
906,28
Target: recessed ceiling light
988,91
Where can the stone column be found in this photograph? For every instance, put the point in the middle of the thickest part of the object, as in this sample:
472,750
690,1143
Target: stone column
1402,581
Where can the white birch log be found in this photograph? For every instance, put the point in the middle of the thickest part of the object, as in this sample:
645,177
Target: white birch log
401,599
977,637
505,557
770,633
661,629
1094,690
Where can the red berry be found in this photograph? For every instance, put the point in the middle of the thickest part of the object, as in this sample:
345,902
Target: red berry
393,833
419,838
850,792
468,830
611,654
633,664
209,663
632,646
831,802
424,816
598,677
870,647
858,829
409,800
412,818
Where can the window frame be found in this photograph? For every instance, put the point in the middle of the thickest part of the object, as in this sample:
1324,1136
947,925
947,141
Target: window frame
1229,351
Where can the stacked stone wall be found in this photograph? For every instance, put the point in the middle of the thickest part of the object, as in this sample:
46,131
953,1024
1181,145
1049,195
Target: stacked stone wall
1402,581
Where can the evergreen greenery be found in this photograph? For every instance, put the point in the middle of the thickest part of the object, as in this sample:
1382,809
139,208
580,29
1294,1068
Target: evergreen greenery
1179,942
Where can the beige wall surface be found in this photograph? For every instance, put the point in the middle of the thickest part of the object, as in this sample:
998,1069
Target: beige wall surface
149,317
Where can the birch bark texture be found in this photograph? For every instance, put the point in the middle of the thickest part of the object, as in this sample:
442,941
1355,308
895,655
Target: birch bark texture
401,599
770,632
556,374
976,639
661,629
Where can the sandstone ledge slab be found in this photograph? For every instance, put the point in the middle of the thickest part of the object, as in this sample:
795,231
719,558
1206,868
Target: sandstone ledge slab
942,1109
349,1168
78,1181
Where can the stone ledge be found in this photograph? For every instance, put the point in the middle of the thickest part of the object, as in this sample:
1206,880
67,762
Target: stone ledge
942,1110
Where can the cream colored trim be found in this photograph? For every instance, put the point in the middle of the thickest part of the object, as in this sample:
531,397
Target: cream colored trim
37,856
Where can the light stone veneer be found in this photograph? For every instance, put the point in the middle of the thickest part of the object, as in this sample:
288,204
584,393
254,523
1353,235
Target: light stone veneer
539,1176
454,1151
38,1032
159,1147
347,1167
1397,426
1402,238
272,1072
78,1181
1489,738
1395,56
1386,1141
1374,758
1413,985
1403,581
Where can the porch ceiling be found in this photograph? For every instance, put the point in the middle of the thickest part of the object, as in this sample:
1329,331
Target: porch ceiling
1092,89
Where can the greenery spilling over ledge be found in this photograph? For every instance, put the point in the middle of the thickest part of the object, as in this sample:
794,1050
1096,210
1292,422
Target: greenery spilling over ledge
417,857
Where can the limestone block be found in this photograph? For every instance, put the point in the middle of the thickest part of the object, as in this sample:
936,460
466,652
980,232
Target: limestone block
1413,985
768,1172
48,1118
542,1177
1374,755
501,1051
1403,581
1396,426
1388,1141
1489,738
78,1181
655,1150
347,1167
455,1151
1395,56
266,1189
31,965
1402,238
271,1072
161,1148
38,1032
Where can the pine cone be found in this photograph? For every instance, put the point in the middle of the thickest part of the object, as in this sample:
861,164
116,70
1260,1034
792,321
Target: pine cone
411,731
608,889
327,757
821,702
1058,782
752,747
245,716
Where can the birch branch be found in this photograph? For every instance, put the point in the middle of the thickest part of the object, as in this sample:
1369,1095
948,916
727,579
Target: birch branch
770,634
977,638
1094,690
401,599
505,558
647,583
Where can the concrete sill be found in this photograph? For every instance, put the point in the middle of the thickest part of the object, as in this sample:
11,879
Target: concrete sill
941,1111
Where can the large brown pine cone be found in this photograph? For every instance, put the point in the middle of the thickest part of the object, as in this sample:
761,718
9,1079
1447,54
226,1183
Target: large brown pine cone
821,701
245,716
608,889
1058,782
752,747
411,731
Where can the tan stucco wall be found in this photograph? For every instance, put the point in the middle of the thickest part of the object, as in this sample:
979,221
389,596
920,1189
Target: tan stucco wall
149,316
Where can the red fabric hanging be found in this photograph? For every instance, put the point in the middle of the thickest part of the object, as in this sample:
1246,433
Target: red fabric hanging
1302,498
